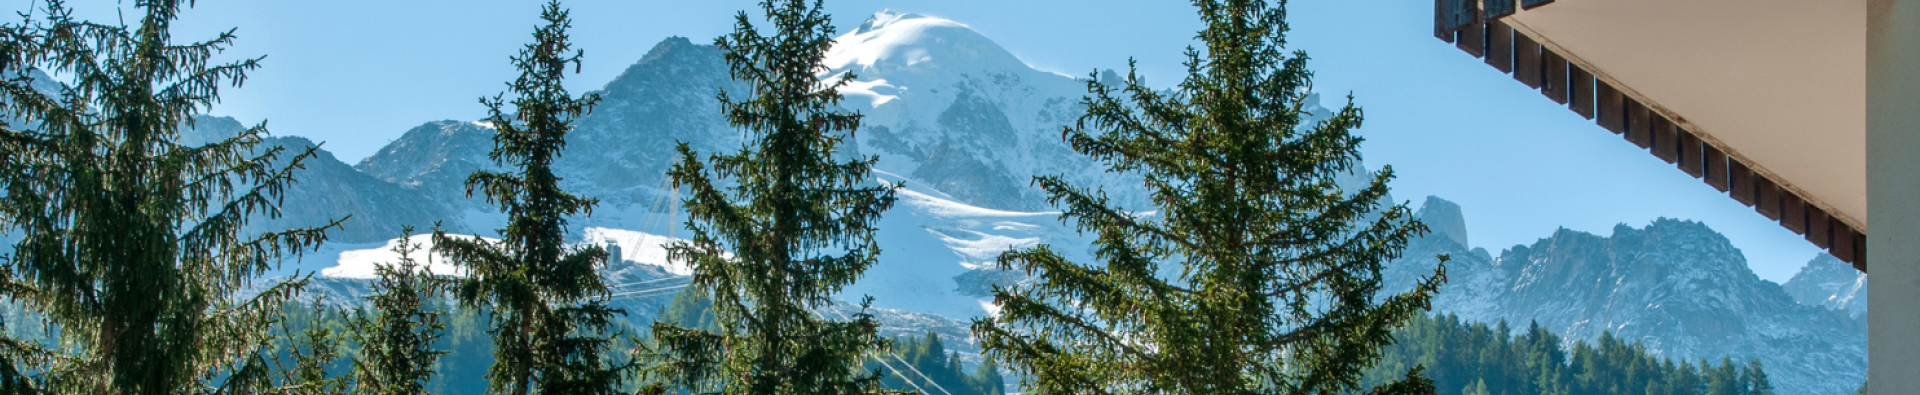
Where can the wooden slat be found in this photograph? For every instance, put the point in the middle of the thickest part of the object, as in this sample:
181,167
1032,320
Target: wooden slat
1457,14
1580,91
1500,8
1766,200
1861,256
1473,39
1526,60
1793,213
1690,161
1639,124
1740,182
1666,140
1529,4
1819,229
1553,76
1715,163
1440,29
1612,108
1842,241
1499,43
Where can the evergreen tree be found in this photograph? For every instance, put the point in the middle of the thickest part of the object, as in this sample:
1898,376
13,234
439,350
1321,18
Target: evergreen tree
779,226
1278,268
1755,379
312,348
987,380
548,301
398,334
131,243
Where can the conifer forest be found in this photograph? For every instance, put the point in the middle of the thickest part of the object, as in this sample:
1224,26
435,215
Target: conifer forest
133,267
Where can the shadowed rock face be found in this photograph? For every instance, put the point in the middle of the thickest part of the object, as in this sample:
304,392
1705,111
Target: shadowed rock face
327,189
1443,218
1677,286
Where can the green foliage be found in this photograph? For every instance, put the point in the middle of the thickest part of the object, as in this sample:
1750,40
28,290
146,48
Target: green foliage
131,243
1278,268
548,302
925,364
778,227
309,360
689,310
1475,358
397,336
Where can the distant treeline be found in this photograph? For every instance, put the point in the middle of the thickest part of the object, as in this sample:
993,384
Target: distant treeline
1465,358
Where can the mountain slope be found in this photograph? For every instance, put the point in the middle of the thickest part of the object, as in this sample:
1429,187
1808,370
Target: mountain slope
965,125
1828,282
1676,285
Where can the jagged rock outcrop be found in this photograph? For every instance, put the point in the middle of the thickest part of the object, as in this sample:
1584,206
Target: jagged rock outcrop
1828,282
1677,286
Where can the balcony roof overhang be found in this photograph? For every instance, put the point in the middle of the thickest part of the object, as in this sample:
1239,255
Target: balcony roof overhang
1764,99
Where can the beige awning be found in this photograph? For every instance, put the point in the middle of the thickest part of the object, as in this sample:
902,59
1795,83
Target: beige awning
1765,99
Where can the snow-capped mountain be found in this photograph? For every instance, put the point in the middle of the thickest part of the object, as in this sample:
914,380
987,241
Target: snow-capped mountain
1675,285
1830,283
965,125
960,121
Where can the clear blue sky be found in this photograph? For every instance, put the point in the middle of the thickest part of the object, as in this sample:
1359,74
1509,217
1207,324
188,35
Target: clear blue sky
358,73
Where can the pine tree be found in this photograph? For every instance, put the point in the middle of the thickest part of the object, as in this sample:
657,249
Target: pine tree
778,227
312,347
1278,268
548,301
398,334
132,244
1755,379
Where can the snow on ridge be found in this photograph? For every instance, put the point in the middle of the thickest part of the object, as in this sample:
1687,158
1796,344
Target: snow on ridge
640,247
361,263
891,39
948,208
644,248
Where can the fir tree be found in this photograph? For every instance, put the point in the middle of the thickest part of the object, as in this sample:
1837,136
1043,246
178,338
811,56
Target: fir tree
131,243
548,301
398,334
778,227
1754,379
312,347
1278,268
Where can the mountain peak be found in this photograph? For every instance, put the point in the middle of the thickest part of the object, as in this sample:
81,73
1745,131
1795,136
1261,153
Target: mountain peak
884,18
891,40
1443,217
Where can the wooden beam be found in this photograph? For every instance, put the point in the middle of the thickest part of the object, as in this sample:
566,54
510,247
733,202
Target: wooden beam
1529,4
1500,8
1740,182
1440,29
1612,107
1715,163
1473,39
1860,254
1553,76
1842,241
1580,91
1666,140
1499,43
1457,14
1526,60
1690,160
1639,124
1793,213
1766,199
1819,227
